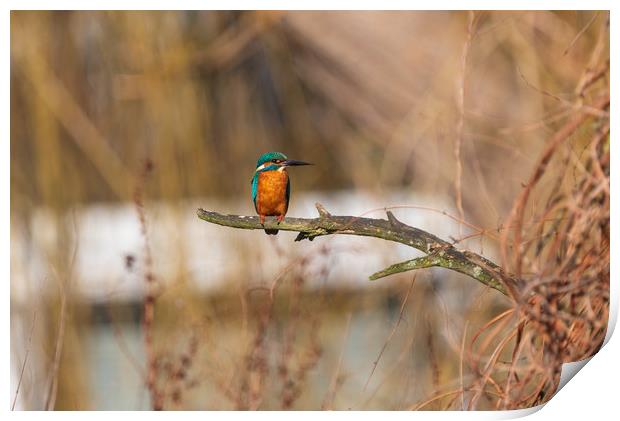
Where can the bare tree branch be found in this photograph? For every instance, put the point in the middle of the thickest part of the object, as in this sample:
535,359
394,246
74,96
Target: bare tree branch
438,252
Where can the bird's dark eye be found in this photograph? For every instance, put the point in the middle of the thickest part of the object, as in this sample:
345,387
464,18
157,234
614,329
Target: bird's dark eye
276,161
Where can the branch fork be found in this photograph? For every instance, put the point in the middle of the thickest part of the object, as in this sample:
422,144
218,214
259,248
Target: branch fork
438,253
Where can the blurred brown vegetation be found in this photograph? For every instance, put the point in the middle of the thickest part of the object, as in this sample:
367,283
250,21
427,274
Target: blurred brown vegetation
505,110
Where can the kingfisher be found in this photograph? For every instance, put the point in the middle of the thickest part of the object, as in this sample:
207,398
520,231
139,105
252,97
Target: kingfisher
271,187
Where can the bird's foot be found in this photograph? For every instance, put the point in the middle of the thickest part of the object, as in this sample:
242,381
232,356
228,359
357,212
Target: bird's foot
262,219
279,218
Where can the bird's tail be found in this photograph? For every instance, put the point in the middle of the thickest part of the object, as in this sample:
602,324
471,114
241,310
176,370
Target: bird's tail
271,231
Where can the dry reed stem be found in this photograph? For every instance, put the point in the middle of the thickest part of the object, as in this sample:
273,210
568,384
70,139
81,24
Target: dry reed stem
461,355
21,372
580,33
60,336
461,119
328,401
392,331
65,287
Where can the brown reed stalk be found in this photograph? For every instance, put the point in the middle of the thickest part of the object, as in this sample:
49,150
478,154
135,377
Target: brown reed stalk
152,369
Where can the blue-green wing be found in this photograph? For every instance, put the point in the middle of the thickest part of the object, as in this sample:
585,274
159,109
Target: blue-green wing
254,183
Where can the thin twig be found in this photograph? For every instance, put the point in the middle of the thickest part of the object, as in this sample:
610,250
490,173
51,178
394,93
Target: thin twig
580,33
53,385
461,121
389,338
21,373
461,363
60,337
333,385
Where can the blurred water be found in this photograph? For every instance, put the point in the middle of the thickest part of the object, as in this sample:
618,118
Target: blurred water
114,383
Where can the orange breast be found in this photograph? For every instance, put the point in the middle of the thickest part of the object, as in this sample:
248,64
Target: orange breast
271,197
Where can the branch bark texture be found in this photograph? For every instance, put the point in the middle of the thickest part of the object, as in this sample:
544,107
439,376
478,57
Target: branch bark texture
438,252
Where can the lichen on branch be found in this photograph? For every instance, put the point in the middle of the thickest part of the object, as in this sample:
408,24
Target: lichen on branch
438,253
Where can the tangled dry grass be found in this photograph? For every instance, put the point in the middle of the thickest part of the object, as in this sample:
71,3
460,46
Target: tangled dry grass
556,241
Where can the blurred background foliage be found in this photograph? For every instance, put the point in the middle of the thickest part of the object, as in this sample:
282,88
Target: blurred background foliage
372,98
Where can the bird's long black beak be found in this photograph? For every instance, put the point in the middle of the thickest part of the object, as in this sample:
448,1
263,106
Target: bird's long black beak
292,162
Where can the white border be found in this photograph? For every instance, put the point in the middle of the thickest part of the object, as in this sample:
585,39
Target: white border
592,394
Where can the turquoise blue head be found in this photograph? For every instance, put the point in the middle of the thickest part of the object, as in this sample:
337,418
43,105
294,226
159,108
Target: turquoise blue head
272,161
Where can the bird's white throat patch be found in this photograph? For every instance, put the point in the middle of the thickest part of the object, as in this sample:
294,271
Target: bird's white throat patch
266,164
